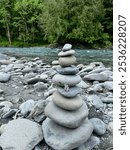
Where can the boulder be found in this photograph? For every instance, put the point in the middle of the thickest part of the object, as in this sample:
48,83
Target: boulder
21,134
62,138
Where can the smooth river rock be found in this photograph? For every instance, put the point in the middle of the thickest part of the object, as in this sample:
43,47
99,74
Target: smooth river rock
67,103
71,92
70,119
4,77
72,70
21,134
26,107
67,61
62,138
99,126
70,80
66,47
67,53
96,77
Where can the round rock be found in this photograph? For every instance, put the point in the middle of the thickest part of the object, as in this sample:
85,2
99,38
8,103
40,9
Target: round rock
67,61
66,53
4,77
71,92
66,47
70,119
70,80
99,126
65,103
61,138
72,70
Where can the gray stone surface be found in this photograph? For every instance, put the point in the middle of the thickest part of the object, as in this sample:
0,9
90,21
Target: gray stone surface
4,77
71,92
66,47
66,53
72,70
26,107
21,134
96,101
61,138
70,119
67,103
70,80
108,85
99,126
67,61
83,85
89,144
96,77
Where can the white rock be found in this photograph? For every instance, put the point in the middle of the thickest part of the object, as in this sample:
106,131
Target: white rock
21,134
67,47
26,107
4,77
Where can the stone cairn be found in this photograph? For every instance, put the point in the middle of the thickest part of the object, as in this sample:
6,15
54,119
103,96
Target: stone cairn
66,126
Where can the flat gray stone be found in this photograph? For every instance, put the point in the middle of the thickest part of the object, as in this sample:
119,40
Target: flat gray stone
70,80
71,92
61,138
66,53
21,134
67,103
72,70
96,77
4,77
35,80
99,126
70,119
89,144
67,61
66,47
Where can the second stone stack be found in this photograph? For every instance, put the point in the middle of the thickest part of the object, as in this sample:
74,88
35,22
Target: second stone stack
67,125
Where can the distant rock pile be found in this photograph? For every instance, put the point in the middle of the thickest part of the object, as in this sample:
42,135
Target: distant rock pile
66,126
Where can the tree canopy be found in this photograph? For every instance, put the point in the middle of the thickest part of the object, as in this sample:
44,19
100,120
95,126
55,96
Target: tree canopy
57,21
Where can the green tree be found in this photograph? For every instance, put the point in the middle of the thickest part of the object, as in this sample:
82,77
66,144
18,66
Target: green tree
6,15
73,21
26,19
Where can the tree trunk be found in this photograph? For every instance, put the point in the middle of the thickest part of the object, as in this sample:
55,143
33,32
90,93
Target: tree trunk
8,32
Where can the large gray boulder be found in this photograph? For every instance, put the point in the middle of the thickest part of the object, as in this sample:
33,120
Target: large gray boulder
21,134
62,138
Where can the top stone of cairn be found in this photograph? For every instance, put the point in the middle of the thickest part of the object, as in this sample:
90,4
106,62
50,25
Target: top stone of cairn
66,47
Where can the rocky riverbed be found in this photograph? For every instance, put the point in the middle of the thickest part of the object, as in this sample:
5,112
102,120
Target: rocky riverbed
26,88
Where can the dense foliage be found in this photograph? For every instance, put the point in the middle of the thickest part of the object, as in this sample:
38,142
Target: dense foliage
85,22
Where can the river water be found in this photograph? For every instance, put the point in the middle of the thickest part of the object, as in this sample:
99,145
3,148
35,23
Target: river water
50,54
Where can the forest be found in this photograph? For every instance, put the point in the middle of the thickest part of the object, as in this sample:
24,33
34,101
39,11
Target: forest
44,22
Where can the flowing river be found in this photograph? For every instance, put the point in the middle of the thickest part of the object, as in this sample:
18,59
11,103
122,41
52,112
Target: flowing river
84,56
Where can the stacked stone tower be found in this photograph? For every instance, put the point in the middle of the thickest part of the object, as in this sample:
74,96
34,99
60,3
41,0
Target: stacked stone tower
67,125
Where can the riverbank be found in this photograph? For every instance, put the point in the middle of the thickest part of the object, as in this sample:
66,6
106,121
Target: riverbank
26,88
